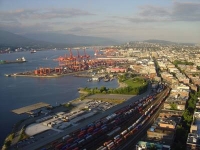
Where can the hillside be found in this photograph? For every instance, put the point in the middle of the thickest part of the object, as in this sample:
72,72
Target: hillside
70,39
159,41
167,42
10,39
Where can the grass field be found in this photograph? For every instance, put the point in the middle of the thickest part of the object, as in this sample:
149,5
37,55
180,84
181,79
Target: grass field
135,82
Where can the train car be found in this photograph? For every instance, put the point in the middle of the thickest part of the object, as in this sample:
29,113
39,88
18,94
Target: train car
91,124
73,146
118,141
124,132
99,148
90,130
70,140
81,142
97,125
59,146
105,128
130,128
102,148
138,126
117,137
113,131
65,137
133,130
126,135
106,143
111,146
89,137
97,132
81,135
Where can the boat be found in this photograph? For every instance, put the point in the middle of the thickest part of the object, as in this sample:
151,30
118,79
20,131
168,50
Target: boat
89,80
18,60
8,75
33,51
106,79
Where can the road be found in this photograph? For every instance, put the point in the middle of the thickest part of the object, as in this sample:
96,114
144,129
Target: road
49,139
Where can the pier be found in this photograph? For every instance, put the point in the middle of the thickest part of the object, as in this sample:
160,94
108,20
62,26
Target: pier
30,108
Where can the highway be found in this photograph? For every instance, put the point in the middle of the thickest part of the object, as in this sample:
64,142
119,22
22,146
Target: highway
49,139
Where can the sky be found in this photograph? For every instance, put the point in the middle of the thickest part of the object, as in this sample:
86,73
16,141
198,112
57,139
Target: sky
127,20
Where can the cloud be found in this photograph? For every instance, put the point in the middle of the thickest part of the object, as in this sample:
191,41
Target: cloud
28,14
21,28
149,10
187,11
181,11
76,29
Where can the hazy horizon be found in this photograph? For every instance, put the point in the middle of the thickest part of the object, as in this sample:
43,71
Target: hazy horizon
175,20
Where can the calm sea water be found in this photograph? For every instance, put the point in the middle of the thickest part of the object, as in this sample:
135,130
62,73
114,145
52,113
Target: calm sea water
16,92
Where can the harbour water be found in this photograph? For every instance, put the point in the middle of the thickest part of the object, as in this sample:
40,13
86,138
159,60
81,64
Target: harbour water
16,92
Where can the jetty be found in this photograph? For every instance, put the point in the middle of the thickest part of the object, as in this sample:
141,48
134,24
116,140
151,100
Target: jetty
30,108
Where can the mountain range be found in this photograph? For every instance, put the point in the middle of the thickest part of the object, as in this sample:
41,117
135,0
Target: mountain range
51,39
58,40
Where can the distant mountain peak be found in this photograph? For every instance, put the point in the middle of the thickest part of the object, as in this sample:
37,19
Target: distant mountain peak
159,41
61,38
39,40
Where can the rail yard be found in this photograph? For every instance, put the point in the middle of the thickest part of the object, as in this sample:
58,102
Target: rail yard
112,131
113,128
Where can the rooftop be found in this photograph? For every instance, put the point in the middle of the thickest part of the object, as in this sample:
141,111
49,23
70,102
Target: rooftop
193,138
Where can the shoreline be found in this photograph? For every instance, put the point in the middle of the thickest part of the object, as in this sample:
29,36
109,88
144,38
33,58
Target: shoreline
121,85
46,76
80,104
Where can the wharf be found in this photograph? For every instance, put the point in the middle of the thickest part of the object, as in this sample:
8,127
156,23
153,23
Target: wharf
30,108
50,75
83,75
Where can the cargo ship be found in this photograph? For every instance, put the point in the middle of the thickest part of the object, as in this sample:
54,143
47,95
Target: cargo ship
18,60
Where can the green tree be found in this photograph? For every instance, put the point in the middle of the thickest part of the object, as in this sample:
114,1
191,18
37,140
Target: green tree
173,106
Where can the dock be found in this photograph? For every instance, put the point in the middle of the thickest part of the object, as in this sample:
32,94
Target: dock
28,109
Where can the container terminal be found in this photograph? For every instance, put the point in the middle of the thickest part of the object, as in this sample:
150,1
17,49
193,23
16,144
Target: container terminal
69,64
